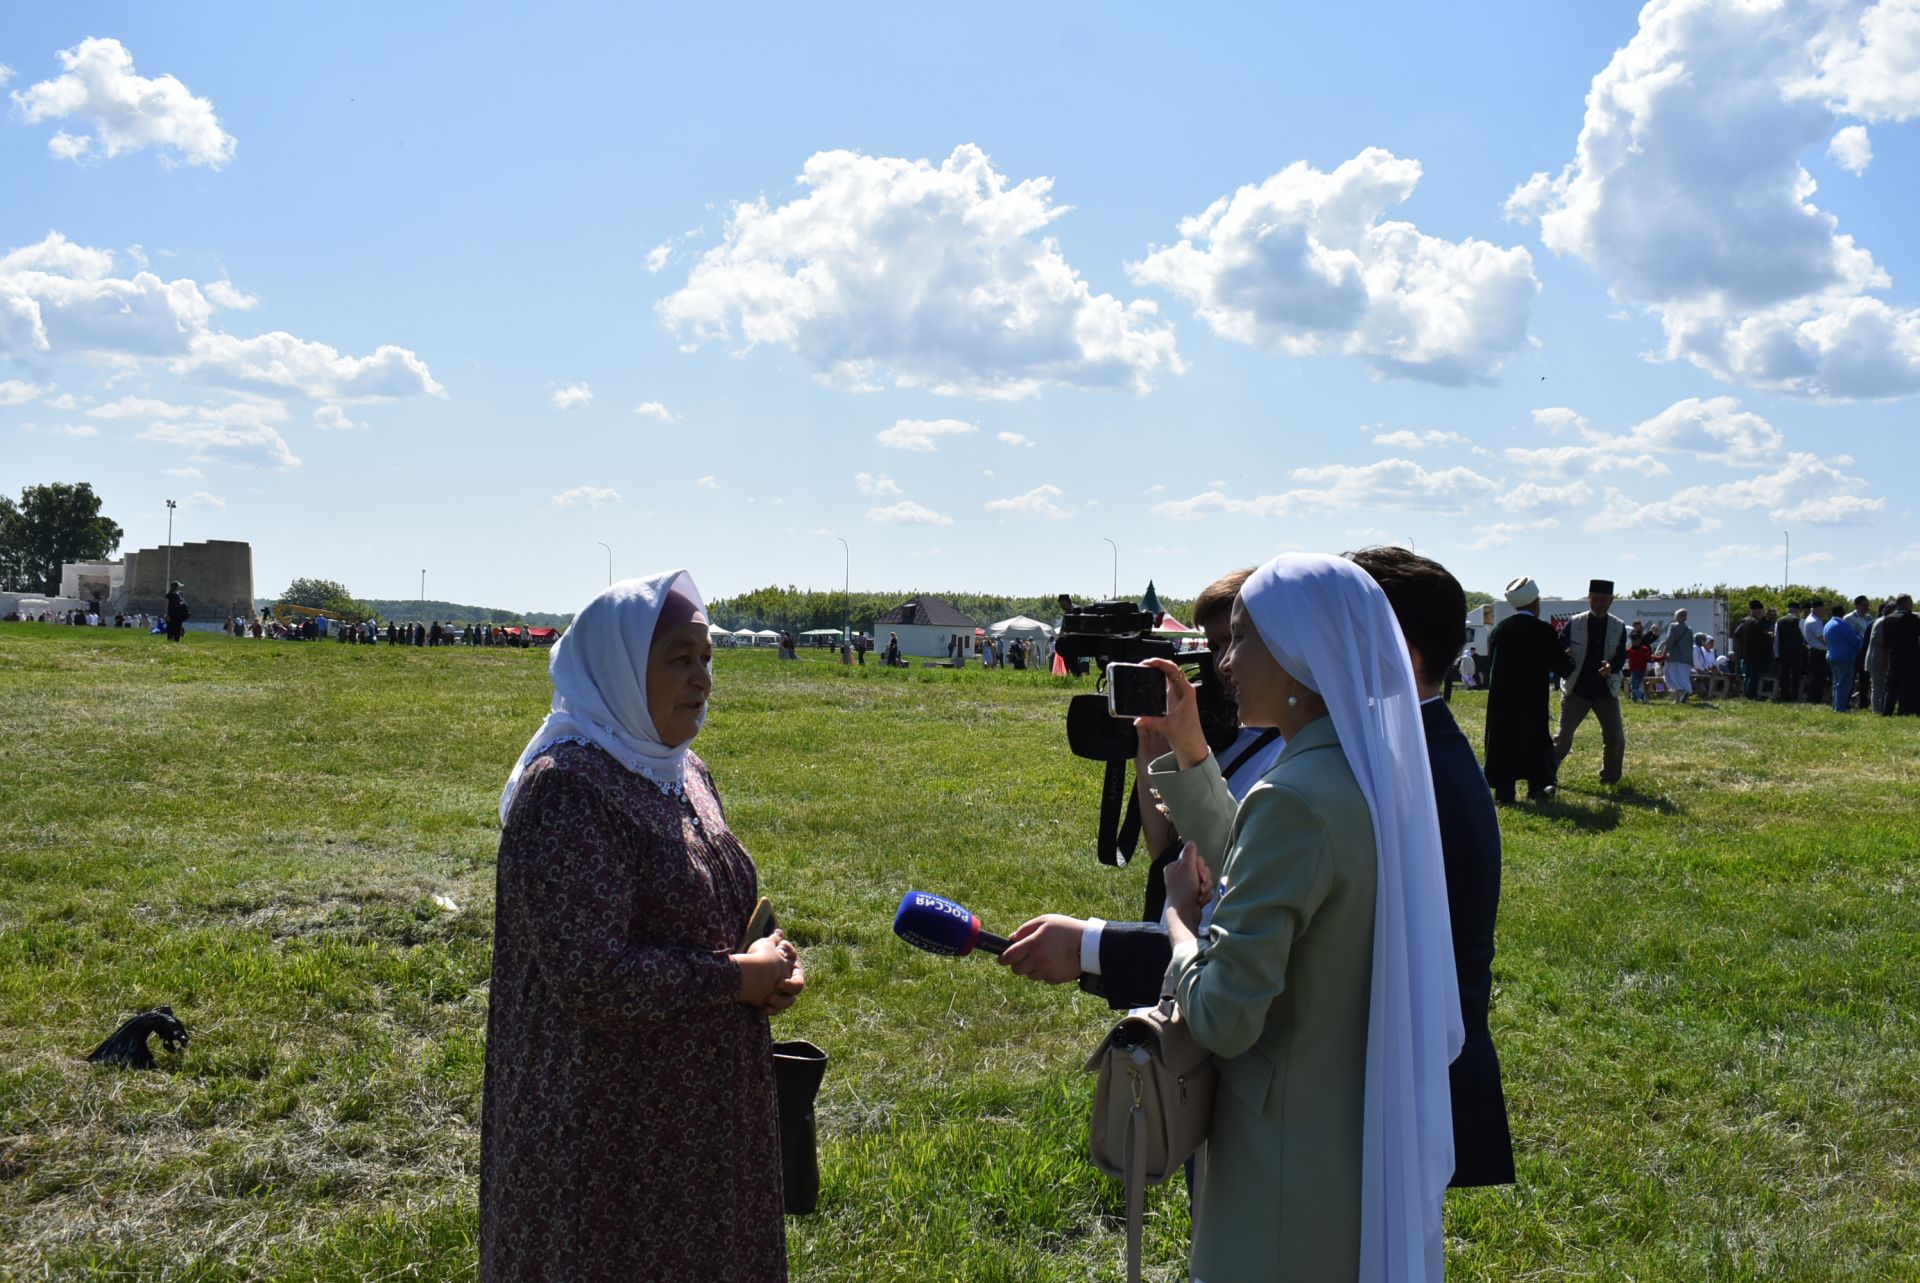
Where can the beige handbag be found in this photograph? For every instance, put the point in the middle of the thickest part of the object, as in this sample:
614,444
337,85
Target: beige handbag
1151,1109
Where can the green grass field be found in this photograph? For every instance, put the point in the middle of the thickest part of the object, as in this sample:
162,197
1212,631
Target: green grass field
1707,998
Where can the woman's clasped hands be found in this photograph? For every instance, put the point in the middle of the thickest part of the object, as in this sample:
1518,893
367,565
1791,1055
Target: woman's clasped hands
771,976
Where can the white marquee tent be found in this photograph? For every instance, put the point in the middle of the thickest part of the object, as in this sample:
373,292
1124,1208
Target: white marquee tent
1020,626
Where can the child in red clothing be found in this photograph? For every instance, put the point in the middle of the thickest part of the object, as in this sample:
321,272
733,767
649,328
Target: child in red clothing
1639,655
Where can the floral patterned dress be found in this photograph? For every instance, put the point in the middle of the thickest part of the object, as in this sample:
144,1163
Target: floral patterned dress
629,1130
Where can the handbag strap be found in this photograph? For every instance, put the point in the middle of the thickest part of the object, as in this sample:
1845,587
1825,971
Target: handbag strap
1136,1172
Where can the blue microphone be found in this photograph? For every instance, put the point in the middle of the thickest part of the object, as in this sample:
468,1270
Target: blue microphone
938,925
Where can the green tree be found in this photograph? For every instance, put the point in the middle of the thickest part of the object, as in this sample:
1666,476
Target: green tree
317,594
50,526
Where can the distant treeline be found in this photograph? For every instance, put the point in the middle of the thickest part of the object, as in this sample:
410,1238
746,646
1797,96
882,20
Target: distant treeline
797,610
425,612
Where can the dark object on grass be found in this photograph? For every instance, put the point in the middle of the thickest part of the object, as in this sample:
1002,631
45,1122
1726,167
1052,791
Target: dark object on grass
798,1068
128,1045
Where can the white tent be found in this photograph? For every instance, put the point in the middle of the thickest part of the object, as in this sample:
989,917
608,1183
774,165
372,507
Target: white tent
1020,626
821,632
715,630
765,634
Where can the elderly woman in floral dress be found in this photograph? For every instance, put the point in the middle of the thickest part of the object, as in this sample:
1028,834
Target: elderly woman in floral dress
629,1128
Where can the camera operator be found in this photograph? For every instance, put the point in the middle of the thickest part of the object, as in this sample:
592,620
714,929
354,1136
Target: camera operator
1125,961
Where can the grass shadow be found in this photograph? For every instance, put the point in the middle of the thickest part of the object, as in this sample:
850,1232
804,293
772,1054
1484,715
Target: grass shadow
1627,795
1596,816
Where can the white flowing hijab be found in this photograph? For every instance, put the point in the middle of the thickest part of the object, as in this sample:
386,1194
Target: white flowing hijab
599,671
1329,625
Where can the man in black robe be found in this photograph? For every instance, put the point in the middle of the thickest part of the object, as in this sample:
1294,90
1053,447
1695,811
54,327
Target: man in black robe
1523,654
177,613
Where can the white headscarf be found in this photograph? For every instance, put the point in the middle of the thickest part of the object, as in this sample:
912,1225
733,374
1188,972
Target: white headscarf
599,671
1329,625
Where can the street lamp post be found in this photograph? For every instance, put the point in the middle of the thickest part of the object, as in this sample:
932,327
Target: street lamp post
171,505
846,598
604,544
1116,565
423,592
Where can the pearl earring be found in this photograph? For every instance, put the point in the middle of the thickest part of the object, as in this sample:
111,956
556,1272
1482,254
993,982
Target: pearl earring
1293,701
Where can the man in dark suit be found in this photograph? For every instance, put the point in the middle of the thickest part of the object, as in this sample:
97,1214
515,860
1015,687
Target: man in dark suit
1789,656
1902,630
1431,608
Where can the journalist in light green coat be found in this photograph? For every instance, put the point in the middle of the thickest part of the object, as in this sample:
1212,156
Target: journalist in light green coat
1277,987
1278,992
1325,983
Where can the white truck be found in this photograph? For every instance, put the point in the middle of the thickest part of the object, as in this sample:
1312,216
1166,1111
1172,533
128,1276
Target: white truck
1704,615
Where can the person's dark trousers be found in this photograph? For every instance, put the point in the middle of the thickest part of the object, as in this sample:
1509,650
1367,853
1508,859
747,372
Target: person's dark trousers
1904,694
1613,732
1792,674
1754,672
1817,678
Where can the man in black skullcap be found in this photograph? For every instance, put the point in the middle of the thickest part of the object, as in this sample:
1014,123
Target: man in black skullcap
1523,654
1597,641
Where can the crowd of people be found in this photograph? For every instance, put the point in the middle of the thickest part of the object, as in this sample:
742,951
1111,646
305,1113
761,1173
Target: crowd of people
1823,653
368,632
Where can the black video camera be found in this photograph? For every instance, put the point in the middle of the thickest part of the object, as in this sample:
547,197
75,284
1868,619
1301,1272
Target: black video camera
1119,632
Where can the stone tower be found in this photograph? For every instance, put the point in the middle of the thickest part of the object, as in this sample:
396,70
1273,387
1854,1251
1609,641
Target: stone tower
218,575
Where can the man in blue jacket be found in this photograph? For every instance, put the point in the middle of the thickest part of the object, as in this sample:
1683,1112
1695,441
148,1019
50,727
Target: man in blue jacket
1843,653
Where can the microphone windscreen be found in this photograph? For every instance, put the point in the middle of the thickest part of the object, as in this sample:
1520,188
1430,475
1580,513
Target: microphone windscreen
936,924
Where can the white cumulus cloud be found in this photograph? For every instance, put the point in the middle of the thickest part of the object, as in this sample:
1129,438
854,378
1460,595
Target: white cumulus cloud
1713,430
708,482
1408,440
222,293
1851,149
247,445
62,300
1041,501
1500,534
585,497
126,111
574,396
907,513
1015,439
77,430
201,499
1804,490
1584,461
1304,263
19,392
1667,516
896,271
1687,194
870,484
333,418
655,410
923,435
1398,484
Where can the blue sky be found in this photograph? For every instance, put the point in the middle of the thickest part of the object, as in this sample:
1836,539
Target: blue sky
384,289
